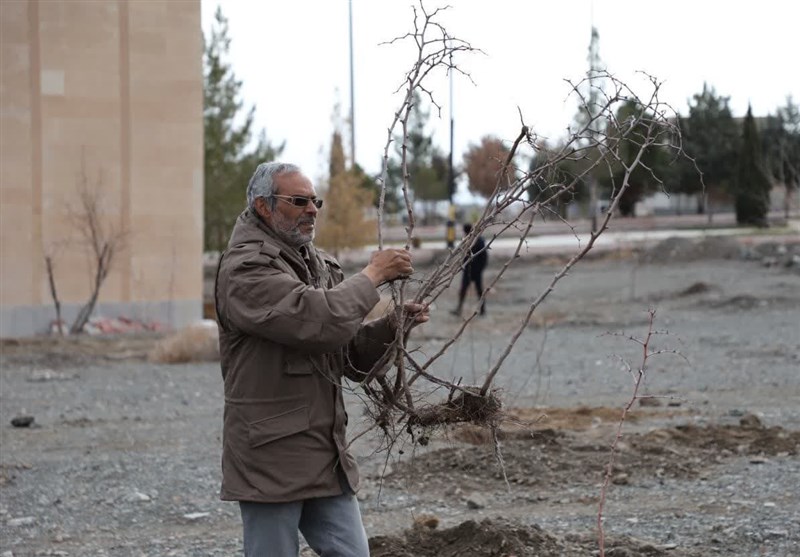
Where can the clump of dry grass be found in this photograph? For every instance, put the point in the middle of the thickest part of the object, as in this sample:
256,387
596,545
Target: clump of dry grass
199,342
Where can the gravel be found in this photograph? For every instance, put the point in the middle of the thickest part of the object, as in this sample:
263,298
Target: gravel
122,457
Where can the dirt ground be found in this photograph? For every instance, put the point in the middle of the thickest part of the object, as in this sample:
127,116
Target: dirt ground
122,456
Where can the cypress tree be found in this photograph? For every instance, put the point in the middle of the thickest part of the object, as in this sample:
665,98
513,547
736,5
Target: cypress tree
712,138
751,184
230,159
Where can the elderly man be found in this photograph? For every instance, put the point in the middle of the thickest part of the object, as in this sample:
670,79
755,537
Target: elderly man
290,326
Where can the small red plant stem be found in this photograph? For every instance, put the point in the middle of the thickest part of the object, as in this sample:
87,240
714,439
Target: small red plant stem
612,459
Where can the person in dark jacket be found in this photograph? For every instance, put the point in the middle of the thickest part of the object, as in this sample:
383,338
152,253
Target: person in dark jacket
290,326
474,264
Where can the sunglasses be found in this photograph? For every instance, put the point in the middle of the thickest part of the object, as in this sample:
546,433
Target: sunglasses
300,200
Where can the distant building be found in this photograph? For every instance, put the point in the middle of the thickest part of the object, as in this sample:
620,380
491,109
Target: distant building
111,90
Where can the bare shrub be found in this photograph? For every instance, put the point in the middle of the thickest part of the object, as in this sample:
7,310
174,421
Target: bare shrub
98,237
400,391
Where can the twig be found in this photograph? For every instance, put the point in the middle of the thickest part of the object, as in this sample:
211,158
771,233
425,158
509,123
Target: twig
638,377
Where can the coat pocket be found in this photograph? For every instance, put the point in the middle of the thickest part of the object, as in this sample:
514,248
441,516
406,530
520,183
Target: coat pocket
298,365
286,423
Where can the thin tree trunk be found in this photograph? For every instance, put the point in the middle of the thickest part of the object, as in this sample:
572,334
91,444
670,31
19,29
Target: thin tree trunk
103,265
56,302
593,202
787,201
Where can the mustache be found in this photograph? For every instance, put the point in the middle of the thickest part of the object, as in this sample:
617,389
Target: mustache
307,220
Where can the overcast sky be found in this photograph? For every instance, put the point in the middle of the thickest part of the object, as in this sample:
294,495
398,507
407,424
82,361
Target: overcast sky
293,59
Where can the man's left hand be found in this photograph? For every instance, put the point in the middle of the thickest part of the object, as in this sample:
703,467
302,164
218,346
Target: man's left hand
420,312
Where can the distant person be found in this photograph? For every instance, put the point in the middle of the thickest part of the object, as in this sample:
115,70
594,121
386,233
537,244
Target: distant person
474,264
290,326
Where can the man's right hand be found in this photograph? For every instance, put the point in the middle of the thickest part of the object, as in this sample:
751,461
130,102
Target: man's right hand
388,264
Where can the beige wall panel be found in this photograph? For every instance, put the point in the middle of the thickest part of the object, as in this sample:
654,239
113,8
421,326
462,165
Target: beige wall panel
91,83
16,194
171,232
16,269
174,102
80,131
175,207
13,21
60,107
15,174
166,147
69,141
16,200
76,33
160,278
168,243
15,85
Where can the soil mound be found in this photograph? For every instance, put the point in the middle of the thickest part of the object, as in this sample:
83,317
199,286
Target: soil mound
548,458
741,302
487,538
750,437
676,249
697,288
782,252
499,538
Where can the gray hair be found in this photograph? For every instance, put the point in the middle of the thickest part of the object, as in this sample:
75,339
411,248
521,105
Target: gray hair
262,182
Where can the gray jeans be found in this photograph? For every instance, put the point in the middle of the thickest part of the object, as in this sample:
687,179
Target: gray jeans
331,525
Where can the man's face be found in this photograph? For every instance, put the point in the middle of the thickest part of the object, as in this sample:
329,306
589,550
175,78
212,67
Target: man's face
294,225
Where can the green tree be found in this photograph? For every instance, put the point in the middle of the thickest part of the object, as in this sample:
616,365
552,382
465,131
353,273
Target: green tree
546,174
230,157
751,185
426,165
629,141
370,184
343,221
711,137
781,149
337,163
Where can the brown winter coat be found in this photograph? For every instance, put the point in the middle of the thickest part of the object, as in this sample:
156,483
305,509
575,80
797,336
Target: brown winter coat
288,331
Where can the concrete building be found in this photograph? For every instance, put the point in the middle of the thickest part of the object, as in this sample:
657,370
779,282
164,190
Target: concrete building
104,96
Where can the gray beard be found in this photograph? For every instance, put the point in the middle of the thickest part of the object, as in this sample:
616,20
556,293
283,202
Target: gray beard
288,233
294,238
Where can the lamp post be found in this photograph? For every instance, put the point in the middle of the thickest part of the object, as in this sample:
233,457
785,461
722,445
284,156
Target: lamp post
450,233
352,97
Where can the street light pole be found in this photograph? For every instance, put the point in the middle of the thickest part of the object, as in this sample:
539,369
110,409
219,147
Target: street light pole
451,178
352,97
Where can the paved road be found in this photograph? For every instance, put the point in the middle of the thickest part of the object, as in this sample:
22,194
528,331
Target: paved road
609,239
622,234
652,222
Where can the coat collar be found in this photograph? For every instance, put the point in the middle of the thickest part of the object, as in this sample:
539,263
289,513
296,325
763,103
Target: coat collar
250,228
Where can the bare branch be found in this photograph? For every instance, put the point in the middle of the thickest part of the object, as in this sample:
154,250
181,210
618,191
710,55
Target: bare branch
100,238
399,388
